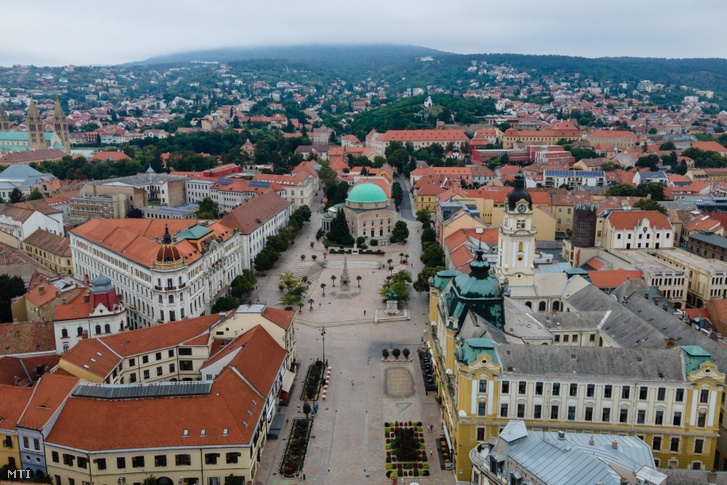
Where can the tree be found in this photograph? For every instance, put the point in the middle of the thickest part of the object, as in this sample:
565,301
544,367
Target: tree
400,232
306,409
428,235
339,232
422,282
150,480
226,303
333,281
358,279
16,196
397,193
265,259
243,284
134,213
667,146
432,256
35,195
323,287
10,287
650,205
399,284
423,215
621,190
650,161
234,480
208,209
652,131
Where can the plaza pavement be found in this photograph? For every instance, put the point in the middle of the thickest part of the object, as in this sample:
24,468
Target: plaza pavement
347,440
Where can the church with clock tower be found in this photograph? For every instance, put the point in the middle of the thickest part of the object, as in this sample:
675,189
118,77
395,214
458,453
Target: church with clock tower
516,243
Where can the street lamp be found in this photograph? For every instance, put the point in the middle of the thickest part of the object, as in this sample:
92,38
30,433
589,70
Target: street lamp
323,335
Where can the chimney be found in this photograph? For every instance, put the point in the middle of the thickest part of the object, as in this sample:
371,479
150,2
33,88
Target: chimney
712,477
624,480
614,445
591,441
561,435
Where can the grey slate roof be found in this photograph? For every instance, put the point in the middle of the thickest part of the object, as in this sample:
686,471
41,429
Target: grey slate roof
586,320
713,239
622,326
680,476
579,362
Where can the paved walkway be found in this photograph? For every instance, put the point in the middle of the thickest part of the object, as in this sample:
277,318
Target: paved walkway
347,441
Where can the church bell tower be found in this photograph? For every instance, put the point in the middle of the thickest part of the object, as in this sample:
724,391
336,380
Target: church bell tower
36,133
516,243
60,126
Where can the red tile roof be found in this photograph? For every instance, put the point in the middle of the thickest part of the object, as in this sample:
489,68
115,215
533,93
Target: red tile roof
613,278
424,135
254,212
622,220
26,337
13,400
94,424
281,318
48,395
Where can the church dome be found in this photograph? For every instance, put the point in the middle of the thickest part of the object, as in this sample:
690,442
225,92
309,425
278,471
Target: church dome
519,193
479,283
101,284
168,252
367,193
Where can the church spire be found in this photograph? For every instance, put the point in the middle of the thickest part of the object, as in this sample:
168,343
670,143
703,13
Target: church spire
60,126
36,134
4,120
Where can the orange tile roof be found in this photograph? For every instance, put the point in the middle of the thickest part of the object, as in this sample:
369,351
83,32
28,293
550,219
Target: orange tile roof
702,224
711,146
26,337
424,135
622,220
281,318
611,134
95,424
613,278
48,395
13,400
430,189
254,212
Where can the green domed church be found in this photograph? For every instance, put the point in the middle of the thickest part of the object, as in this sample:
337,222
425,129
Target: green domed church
368,212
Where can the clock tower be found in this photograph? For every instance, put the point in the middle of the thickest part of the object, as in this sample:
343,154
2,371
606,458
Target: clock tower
516,243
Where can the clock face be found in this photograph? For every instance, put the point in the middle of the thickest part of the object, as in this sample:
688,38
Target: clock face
522,208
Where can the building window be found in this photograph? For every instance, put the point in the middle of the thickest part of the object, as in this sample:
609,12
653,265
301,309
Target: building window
182,460
145,359
185,365
659,418
505,387
590,390
704,396
554,412
589,414
571,413
679,395
54,457
674,445
625,392
160,460
481,409
146,374
171,353
132,377
68,459
137,462
623,416
132,362
521,410
483,385
656,443
643,393
120,462
185,351
538,388
522,387
160,371
661,394
537,411
607,391
573,391
677,420
171,368
82,462
100,463
556,389
698,445
211,458
641,416
701,420
503,410
234,457
606,415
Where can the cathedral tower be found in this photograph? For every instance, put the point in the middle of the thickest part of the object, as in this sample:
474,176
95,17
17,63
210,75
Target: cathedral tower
60,126
36,134
516,244
4,120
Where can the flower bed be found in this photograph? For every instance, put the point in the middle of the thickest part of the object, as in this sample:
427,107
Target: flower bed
313,382
294,456
406,453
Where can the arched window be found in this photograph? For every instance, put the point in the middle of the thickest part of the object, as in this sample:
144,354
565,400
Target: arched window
64,333
556,306
79,331
520,247
98,329
529,305
107,328
541,306
171,298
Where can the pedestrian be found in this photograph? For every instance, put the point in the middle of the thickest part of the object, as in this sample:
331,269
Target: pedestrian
364,312
351,382
304,476
431,453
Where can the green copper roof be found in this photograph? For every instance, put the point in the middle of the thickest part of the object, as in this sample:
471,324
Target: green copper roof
443,277
367,192
694,356
195,232
473,348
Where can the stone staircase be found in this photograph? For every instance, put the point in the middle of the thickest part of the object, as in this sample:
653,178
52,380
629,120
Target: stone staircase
311,269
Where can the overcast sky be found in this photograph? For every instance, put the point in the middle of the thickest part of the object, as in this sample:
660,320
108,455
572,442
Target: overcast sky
53,32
